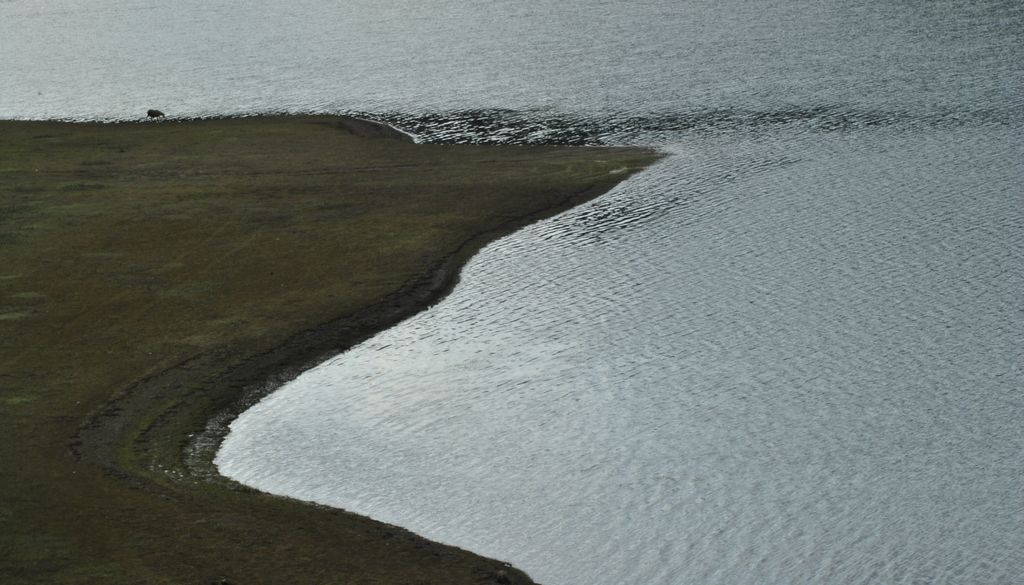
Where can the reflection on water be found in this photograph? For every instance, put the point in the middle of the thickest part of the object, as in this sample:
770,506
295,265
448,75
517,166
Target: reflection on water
789,353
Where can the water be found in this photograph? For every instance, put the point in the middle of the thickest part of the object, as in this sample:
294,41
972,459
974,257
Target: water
788,353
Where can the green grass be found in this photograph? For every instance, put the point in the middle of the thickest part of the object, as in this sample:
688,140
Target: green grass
154,276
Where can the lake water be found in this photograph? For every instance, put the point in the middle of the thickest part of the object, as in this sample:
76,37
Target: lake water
788,353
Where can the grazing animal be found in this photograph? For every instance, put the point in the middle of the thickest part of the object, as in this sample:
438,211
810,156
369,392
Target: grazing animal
154,113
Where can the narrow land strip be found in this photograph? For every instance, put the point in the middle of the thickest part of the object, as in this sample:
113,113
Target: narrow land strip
156,277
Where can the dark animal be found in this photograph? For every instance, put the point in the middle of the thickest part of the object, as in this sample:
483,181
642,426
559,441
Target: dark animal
154,113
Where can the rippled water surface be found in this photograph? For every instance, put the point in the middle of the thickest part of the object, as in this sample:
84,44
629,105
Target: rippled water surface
788,353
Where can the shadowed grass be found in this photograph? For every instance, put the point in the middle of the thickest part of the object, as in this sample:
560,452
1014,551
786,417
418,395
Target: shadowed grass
156,275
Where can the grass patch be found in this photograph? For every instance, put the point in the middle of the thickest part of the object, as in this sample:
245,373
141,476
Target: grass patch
78,186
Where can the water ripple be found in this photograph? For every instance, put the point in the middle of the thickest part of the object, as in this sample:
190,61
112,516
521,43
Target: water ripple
502,126
784,357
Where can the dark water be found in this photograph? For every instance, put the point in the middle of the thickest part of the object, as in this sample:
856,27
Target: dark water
788,353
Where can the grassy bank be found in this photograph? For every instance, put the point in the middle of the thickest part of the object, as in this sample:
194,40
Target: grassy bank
157,276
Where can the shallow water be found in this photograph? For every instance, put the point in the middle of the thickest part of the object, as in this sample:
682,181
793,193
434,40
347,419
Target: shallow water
788,353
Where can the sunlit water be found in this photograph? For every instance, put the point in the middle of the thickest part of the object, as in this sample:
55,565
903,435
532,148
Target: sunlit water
788,353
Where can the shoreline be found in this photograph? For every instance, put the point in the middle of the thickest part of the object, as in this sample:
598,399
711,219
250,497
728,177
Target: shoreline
264,373
156,437
340,335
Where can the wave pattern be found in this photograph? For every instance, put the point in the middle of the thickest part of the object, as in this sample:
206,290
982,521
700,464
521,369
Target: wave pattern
776,357
498,126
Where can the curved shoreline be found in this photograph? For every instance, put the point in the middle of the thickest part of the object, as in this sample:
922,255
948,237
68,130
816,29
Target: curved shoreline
312,347
262,374
158,435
